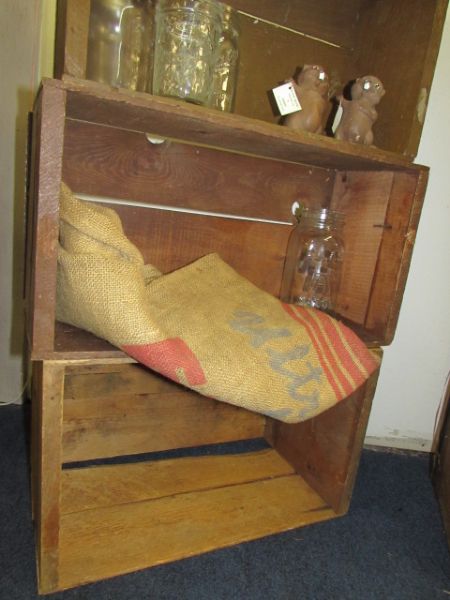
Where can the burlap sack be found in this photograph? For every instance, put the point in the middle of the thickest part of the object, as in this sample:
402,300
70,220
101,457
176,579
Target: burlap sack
203,325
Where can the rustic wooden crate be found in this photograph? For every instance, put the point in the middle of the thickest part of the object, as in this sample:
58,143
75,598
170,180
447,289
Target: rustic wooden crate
97,521
219,165
349,38
91,402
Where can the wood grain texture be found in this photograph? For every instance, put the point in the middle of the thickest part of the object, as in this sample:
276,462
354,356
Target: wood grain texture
104,542
326,450
403,215
47,462
95,487
363,198
123,164
334,21
72,31
49,133
269,55
403,57
130,410
172,240
94,102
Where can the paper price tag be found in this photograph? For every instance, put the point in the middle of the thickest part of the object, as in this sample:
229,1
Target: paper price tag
286,99
337,118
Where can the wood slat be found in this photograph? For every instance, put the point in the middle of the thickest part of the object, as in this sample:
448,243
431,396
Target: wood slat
96,487
104,542
47,165
363,198
105,381
326,450
48,382
104,161
72,37
136,424
403,215
334,21
170,240
269,55
387,47
94,102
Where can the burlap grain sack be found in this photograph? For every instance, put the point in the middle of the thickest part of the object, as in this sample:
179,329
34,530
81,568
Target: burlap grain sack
203,325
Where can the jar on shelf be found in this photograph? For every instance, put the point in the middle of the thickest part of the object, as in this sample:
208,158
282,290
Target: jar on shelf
187,33
313,263
226,68
120,45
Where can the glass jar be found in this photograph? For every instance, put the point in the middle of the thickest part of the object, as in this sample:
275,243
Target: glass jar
120,46
314,261
226,68
186,39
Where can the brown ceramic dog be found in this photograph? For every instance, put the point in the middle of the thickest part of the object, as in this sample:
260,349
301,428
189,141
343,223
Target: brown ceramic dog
359,113
311,87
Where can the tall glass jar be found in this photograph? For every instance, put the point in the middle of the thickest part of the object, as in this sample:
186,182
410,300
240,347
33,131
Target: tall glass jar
186,40
120,47
226,69
314,261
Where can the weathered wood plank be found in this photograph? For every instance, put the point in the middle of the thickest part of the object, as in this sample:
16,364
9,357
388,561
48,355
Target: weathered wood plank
104,542
115,163
126,424
44,209
96,487
394,258
48,381
326,450
363,199
72,37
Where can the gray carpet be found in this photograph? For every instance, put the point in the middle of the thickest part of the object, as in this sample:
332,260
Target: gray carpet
391,545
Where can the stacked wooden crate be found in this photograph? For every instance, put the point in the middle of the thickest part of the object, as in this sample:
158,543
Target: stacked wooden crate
92,404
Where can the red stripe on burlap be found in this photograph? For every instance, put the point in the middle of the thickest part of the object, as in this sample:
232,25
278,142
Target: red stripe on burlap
321,351
340,374
168,357
334,332
364,356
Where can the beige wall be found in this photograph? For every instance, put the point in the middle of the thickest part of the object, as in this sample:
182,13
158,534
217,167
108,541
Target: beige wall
21,66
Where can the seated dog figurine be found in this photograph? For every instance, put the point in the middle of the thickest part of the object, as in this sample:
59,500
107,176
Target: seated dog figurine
311,87
359,113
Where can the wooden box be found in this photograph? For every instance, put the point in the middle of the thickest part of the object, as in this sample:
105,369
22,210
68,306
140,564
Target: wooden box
216,182
349,38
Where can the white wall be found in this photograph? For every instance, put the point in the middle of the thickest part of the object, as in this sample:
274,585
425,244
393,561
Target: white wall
19,45
416,365
23,61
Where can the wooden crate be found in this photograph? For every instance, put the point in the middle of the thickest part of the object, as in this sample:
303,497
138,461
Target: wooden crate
223,183
97,521
350,38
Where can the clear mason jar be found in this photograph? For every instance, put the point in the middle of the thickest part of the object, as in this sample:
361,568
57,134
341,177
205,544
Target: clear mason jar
314,261
186,40
226,68
120,46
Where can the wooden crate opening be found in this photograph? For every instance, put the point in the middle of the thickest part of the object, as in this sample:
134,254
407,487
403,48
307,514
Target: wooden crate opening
103,517
221,185
348,38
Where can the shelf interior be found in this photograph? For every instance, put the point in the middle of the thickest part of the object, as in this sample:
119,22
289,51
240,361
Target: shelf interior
120,518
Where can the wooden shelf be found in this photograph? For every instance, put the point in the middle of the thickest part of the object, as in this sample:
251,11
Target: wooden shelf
136,111
121,518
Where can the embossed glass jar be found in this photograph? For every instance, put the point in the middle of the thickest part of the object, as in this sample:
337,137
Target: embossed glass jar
186,41
120,47
314,262
226,67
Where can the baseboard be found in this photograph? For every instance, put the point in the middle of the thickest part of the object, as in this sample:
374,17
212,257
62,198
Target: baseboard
400,443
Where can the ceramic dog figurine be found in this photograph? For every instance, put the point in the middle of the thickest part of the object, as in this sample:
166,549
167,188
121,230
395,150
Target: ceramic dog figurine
311,87
359,113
